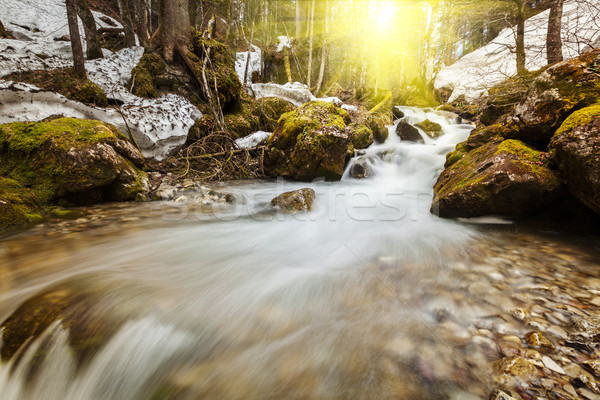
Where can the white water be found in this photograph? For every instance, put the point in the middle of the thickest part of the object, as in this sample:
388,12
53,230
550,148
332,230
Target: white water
245,303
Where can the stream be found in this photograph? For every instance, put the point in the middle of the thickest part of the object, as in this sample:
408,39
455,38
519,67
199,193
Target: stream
368,296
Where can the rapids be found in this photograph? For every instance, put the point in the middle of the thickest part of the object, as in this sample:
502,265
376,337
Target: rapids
368,296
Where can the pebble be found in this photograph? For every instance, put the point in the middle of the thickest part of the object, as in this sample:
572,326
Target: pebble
538,341
552,365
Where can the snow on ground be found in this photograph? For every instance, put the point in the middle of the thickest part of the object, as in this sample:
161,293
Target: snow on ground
160,126
476,72
113,73
296,93
252,140
254,66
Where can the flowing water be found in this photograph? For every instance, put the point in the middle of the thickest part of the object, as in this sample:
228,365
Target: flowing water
368,296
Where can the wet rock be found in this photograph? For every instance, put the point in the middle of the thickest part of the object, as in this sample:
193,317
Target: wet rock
500,395
360,169
431,129
537,341
408,133
552,365
509,178
516,368
576,146
18,206
295,201
397,112
593,366
313,141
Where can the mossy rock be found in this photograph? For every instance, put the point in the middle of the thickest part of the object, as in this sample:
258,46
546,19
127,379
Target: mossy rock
269,110
78,161
408,133
311,142
377,124
507,178
576,147
143,75
82,307
362,136
295,201
222,68
65,82
431,129
555,94
18,206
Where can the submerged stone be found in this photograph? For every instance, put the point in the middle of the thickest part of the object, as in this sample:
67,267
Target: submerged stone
360,169
295,201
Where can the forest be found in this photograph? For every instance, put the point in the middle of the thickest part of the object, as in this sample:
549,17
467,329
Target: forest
299,199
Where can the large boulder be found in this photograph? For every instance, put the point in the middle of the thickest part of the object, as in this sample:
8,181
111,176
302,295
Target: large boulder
314,141
507,178
576,146
78,161
554,95
269,110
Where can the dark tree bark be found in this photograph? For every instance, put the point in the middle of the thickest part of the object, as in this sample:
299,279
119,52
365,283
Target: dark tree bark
141,18
94,49
520,45
175,28
79,65
126,15
553,40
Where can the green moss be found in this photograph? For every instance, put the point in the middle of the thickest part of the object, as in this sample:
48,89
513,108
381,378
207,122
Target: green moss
432,129
144,74
579,118
362,136
37,154
269,110
18,206
222,69
65,82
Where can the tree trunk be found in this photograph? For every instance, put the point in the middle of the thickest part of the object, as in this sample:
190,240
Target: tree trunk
311,40
520,45
298,19
175,28
141,18
286,61
323,50
553,39
78,64
94,49
125,9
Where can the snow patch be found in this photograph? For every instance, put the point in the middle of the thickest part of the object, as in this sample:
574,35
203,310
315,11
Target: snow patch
159,126
254,66
297,94
252,140
478,71
113,73
284,42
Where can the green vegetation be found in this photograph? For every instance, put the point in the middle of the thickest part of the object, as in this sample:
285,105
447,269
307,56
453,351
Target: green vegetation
65,82
144,74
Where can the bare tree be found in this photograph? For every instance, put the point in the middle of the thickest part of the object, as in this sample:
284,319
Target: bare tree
93,47
79,65
553,38
128,27
311,40
323,50
520,38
